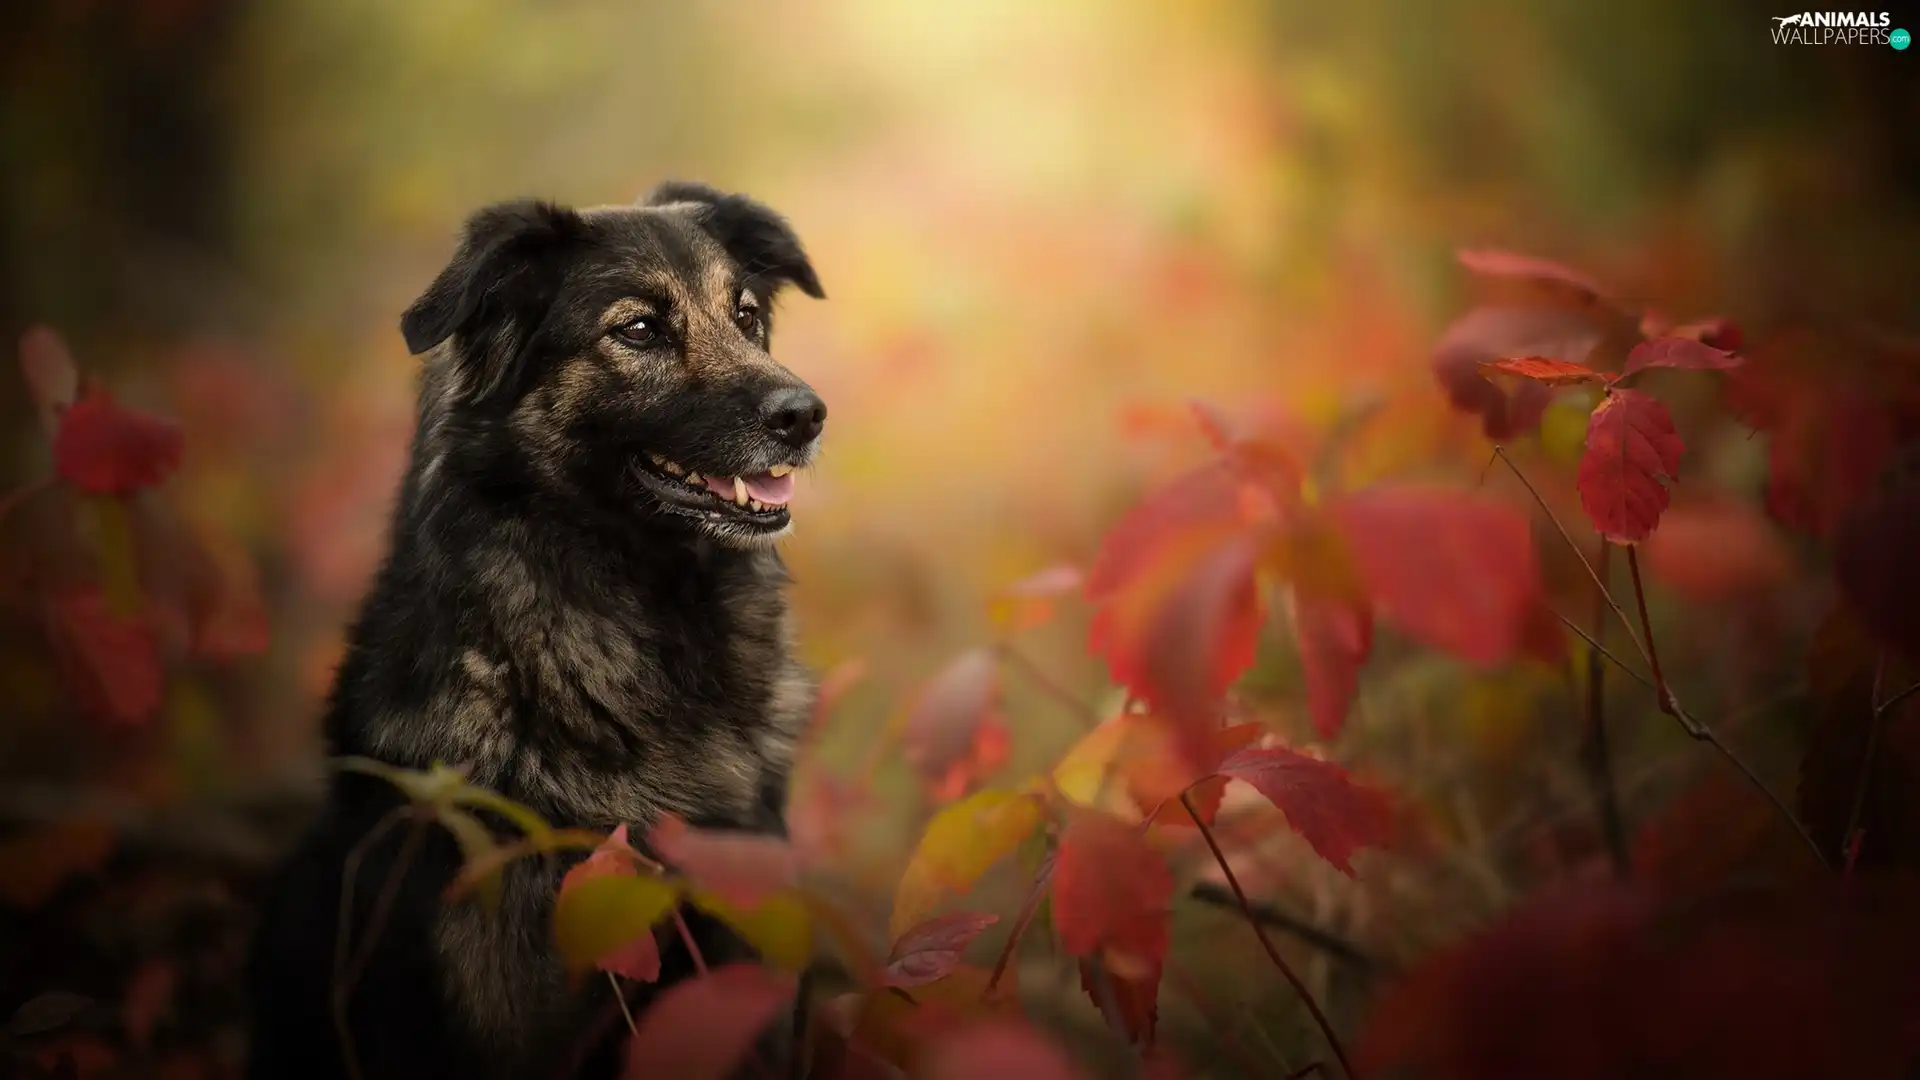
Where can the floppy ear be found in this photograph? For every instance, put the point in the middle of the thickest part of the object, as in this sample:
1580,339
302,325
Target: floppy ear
757,238
496,290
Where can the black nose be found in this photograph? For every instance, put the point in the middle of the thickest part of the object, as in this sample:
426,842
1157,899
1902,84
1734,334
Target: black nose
794,415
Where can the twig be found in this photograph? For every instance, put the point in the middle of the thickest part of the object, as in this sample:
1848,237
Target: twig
686,936
1876,723
1027,911
1594,644
1669,704
1038,675
620,995
1268,915
1239,894
1598,757
343,930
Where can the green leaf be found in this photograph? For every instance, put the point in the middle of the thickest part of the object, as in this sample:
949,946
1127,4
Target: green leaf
476,844
599,915
780,927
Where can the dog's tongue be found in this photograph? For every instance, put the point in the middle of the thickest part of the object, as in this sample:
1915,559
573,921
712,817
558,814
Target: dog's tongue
768,488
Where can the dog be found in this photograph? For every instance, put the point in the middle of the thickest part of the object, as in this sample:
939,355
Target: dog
581,606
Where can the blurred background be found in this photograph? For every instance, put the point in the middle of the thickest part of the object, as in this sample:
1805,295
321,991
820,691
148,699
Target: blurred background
1042,228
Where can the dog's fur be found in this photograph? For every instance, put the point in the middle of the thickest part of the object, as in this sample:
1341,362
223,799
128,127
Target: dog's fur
558,620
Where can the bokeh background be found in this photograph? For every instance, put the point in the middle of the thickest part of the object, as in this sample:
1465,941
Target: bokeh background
1042,227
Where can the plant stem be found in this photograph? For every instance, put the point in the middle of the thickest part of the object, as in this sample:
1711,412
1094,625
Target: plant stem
1876,723
1027,911
1599,758
343,930
620,996
1267,915
1594,644
1246,907
1013,657
1660,689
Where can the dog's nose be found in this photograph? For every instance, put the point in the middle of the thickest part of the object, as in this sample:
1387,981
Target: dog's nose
794,415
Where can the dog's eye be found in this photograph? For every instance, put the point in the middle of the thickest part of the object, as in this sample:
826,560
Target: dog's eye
642,331
748,319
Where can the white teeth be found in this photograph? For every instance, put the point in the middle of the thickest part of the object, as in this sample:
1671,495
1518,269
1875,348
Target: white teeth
780,470
739,491
658,459
756,506
672,467
694,478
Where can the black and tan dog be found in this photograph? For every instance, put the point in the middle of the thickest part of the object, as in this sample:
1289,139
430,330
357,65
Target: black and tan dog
582,606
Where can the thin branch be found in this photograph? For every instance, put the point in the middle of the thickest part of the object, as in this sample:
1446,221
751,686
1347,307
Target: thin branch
1268,915
1876,724
1233,882
1038,675
620,995
1668,702
1501,451
693,948
1594,644
1599,758
1661,691
343,931
1027,911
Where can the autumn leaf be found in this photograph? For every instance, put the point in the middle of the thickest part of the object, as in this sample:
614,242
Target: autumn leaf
942,725
778,925
1678,352
1633,453
1545,370
105,448
1334,640
1490,333
112,661
1131,765
703,1028
960,843
901,1027
52,380
932,949
1111,889
1529,268
1330,812
1031,601
992,744
1000,1050
602,921
740,868
1454,570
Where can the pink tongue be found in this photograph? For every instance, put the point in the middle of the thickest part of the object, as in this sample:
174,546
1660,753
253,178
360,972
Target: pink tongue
769,489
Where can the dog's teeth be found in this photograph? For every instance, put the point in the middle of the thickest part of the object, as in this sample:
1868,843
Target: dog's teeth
739,491
672,467
657,459
780,470
756,506
694,479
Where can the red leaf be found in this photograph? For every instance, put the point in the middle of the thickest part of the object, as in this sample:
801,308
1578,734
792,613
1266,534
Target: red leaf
112,661
1330,812
991,746
1544,369
1714,332
1491,333
701,1029
942,725
931,950
1678,352
1111,889
52,380
1596,981
615,855
1136,994
106,449
1030,602
1506,264
1633,453
1456,571
202,590
742,869
998,1050
1334,641
1716,550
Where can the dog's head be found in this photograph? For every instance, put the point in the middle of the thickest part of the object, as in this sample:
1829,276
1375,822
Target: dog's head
619,355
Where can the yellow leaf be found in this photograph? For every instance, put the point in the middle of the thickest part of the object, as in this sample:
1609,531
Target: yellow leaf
528,822
779,927
599,915
961,842
1085,774
1563,427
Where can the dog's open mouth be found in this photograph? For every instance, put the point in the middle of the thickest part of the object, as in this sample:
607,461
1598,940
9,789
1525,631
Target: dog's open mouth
758,498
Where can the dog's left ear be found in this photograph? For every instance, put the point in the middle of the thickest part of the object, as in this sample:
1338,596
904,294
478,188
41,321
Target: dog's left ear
497,289
754,235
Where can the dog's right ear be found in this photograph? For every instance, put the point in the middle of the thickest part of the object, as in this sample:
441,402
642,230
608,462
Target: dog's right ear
497,288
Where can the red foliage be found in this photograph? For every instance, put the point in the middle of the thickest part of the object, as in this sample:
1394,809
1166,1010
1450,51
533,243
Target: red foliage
998,1050
1329,811
1532,269
1494,333
1678,352
107,449
703,1028
930,951
1633,453
1544,369
111,660
1334,640
1112,895
739,868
